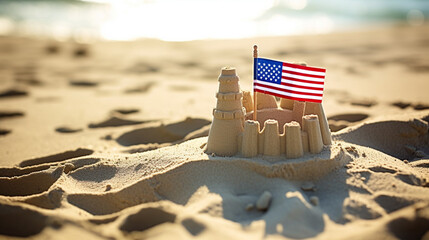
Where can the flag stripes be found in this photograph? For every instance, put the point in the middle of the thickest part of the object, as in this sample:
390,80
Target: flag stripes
288,80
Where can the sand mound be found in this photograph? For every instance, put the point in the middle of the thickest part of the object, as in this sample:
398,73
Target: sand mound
181,191
403,139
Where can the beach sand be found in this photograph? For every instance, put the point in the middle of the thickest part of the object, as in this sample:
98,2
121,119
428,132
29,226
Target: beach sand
106,141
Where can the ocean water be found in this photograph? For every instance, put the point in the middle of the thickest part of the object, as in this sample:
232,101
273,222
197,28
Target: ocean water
183,20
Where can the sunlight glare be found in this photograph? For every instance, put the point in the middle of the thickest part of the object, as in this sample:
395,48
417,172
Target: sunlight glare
181,20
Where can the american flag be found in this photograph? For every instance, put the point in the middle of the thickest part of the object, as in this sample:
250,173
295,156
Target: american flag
287,80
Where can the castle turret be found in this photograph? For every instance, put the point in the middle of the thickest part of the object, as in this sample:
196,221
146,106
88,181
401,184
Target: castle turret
228,116
317,108
312,127
271,138
294,147
250,138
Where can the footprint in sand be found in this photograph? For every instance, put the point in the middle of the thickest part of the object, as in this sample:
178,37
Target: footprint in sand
68,129
391,203
81,51
182,88
83,83
28,76
25,185
10,114
4,131
52,48
13,92
146,218
360,102
163,133
340,121
141,88
142,67
126,111
417,106
116,121
382,169
13,218
412,227
80,152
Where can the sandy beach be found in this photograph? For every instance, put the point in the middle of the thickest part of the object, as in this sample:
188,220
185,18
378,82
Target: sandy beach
106,141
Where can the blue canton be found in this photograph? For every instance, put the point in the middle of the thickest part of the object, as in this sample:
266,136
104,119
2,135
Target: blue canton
269,70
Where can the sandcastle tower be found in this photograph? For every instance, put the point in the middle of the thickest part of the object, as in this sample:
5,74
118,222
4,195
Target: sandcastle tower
228,116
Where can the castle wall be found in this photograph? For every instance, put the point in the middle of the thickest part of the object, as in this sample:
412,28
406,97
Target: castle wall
293,143
281,115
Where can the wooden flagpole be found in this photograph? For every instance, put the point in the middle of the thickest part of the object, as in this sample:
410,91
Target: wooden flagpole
255,98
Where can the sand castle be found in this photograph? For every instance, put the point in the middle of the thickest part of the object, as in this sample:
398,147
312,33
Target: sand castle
291,128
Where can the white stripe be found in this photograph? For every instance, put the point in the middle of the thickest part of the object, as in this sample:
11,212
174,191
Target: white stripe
303,84
303,77
288,94
289,88
304,71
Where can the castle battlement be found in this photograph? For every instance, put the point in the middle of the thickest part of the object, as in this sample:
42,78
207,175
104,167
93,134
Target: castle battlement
291,128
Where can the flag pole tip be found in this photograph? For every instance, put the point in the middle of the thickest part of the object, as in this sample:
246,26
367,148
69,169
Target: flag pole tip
255,51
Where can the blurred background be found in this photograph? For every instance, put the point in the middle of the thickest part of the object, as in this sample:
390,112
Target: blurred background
172,20
83,73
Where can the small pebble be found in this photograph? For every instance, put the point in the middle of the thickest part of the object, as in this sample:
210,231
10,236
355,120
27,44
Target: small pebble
68,167
314,200
363,154
264,201
406,161
250,207
363,178
308,186
108,187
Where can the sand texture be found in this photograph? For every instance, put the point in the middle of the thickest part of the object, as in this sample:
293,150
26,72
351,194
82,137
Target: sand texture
110,143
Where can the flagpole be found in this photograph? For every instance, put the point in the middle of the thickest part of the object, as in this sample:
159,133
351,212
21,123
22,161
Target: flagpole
255,99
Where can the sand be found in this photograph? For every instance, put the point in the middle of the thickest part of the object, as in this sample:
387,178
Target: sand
106,141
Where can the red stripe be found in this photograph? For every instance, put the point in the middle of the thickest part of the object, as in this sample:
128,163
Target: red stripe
304,67
288,97
299,86
289,91
304,81
302,74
